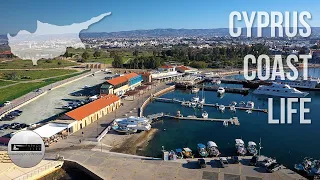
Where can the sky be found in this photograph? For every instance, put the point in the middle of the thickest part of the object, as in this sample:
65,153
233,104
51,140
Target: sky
126,15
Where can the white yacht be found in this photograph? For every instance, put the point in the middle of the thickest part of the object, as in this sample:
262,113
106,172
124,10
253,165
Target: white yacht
212,149
221,90
132,122
282,90
205,115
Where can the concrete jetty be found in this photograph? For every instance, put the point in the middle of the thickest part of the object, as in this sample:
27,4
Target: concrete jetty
168,100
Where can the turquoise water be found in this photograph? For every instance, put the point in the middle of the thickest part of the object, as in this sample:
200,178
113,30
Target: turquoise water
289,143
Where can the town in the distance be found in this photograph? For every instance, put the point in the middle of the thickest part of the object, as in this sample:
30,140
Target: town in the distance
162,104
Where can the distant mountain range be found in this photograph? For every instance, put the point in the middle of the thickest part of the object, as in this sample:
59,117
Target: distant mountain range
220,32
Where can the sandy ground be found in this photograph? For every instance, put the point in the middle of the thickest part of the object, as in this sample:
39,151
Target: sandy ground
129,144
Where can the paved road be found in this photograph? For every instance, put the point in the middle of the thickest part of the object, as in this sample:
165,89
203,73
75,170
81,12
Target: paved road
31,95
49,105
114,166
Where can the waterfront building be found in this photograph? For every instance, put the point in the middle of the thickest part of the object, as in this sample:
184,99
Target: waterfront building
186,70
120,85
89,113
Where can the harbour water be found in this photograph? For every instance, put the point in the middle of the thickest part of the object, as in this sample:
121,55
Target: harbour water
288,143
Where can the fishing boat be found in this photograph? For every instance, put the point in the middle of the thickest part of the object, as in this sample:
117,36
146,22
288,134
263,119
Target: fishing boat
221,90
195,90
250,104
172,155
212,149
205,114
222,108
179,153
241,150
252,148
202,150
187,152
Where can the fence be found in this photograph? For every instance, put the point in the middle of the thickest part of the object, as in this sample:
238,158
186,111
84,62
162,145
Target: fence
36,172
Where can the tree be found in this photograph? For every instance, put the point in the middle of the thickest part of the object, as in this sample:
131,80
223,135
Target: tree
85,55
59,63
97,54
113,54
135,53
117,62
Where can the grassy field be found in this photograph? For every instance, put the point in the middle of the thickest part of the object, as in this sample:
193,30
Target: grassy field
15,91
33,74
27,64
5,83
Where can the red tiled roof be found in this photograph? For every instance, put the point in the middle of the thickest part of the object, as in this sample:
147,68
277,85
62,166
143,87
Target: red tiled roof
130,75
122,79
117,80
183,68
166,66
6,53
88,109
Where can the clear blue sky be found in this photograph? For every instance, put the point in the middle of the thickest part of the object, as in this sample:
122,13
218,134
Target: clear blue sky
140,14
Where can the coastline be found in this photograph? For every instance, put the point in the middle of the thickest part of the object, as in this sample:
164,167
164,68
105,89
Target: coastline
132,144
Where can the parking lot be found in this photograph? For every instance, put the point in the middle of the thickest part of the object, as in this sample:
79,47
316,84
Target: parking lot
48,106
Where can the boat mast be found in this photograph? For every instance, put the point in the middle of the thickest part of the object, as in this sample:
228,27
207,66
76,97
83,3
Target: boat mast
260,147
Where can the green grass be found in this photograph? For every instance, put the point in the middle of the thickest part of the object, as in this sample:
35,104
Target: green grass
5,83
27,64
34,74
15,91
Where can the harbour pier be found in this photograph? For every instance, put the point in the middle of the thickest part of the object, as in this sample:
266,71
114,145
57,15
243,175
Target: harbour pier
167,100
233,120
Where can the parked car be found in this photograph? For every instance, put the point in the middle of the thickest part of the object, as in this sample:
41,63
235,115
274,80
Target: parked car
6,103
8,117
23,125
202,163
224,162
4,126
14,125
235,159
15,113
273,167
253,161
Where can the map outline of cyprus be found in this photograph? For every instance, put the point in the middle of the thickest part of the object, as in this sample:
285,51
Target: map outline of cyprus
49,41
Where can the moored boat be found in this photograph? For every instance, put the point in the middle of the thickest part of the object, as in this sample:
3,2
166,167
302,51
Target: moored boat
240,147
202,150
179,153
205,115
195,90
221,90
222,108
187,152
252,148
212,149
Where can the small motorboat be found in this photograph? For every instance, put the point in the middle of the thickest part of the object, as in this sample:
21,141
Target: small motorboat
205,114
212,149
202,150
233,103
222,108
191,116
200,106
195,90
225,123
194,104
250,104
179,153
241,150
242,104
252,148
186,103
195,99
172,155
233,108
249,111
187,152
221,90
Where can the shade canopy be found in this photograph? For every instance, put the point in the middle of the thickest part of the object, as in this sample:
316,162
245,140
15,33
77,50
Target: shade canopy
50,129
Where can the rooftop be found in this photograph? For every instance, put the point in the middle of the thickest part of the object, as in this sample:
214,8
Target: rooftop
122,79
166,66
88,109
